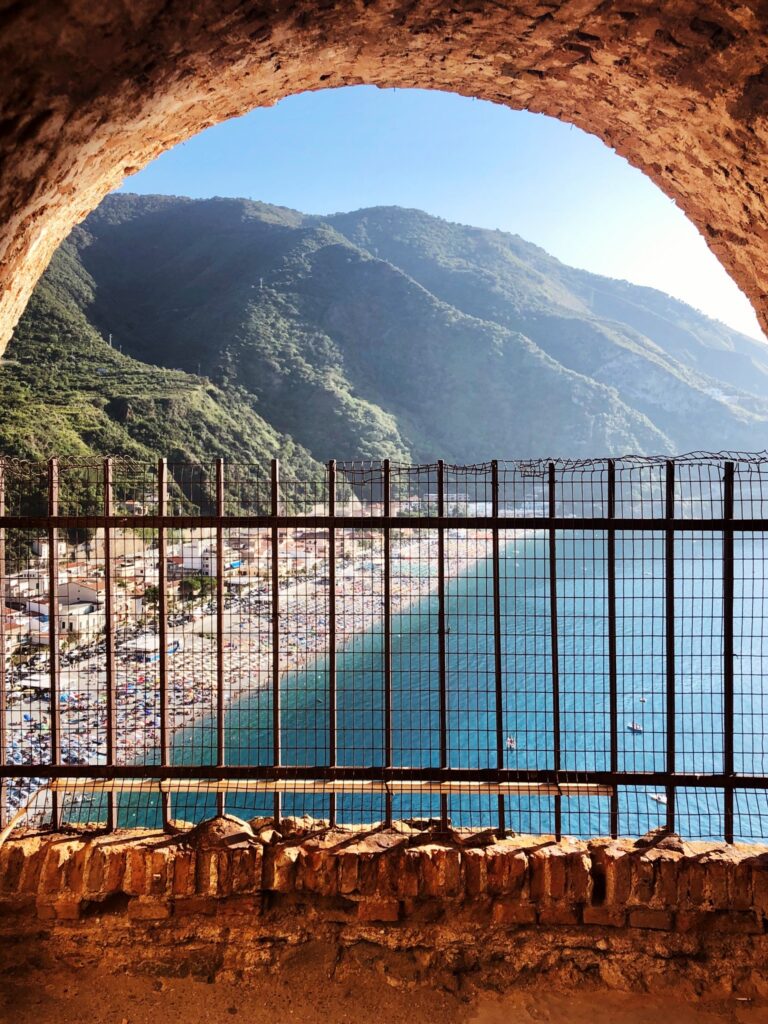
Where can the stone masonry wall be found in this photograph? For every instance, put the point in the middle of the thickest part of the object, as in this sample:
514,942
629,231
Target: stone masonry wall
229,900
92,91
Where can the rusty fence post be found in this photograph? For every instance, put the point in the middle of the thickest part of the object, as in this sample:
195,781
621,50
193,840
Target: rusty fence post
554,643
669,635
275,586
728,652
109,624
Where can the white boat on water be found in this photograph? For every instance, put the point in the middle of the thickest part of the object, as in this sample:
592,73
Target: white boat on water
634,727
660,798
643,700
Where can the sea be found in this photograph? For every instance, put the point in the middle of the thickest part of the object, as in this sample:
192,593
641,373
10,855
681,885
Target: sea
529,714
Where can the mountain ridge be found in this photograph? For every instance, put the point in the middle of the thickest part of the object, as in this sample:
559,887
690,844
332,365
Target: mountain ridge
383,332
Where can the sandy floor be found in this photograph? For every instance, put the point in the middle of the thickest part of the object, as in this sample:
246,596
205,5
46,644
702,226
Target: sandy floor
610,1008
89,997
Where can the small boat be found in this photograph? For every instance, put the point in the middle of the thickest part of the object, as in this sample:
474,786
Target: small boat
511,743
660,798
643,700
635,727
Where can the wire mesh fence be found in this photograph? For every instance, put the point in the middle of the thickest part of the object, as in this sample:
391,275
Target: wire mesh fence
567,647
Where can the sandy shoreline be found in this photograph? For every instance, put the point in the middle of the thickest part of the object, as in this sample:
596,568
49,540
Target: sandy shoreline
248,656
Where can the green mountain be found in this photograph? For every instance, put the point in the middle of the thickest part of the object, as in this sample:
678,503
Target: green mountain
65,391
251,331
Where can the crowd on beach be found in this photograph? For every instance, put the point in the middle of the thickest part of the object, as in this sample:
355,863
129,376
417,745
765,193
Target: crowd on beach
247,655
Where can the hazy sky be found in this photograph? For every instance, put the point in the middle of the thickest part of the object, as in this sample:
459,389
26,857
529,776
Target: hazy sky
465,160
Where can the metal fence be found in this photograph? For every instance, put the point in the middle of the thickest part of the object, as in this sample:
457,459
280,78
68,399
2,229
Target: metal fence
544,647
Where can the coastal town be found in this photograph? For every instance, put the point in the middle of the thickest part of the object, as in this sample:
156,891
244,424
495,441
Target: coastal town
191,633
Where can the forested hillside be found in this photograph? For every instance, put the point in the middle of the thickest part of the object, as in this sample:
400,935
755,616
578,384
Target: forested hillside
249,331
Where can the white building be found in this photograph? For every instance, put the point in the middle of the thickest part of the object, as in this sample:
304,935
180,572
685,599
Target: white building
81,619
200,559
78,591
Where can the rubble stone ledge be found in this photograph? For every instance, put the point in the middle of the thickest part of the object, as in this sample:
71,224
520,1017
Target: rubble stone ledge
231,897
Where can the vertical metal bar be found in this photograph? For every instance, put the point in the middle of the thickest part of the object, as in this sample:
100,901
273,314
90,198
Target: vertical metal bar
220,742
332,635
387,627
497,659
612,662
53,628
162,567
555,656
441,638
3,649
109,617
669,632
275,577
728,655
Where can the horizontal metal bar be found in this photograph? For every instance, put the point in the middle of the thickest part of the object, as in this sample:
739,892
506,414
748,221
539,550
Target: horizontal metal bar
567,789
372,522
368,773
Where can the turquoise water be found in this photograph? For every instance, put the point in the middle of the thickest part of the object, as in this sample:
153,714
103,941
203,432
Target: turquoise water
527,690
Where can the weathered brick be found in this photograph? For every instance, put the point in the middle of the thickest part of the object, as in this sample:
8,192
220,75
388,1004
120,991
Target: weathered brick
612,863
183,872
692,920
643,881
17,905
223,873
374,874
740,892
190,905
557,873
579,884
643,917
136,871
725,921
667,892
76,866
507,870
54,870
538,865
741,922
62,909
547,873
248,906
378,910
475,872
507,910
559,914
718,866
34,857
46,910
148,909
104,873
316,871
160,871
280,868
606,917
441,870
246,870
404,874
346,872
207,873
12,860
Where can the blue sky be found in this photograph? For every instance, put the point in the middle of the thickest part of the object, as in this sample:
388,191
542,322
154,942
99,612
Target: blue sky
465,160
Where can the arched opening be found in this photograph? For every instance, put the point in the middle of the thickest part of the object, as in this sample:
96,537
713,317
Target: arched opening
362,310
93,96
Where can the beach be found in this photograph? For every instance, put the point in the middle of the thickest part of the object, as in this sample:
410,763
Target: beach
248,656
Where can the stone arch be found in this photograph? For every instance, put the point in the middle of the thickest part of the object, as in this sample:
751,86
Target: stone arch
93,91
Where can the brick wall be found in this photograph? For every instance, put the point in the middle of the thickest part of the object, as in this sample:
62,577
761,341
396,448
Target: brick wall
226,898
